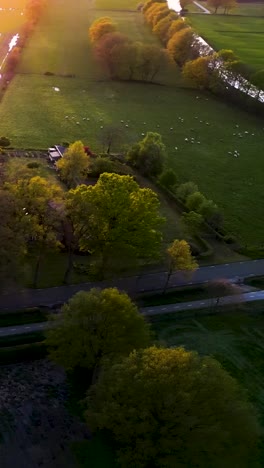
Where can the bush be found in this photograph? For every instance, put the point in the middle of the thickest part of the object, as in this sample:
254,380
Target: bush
33,165
100,165
186,189
168,178
230,239
194,201
4,141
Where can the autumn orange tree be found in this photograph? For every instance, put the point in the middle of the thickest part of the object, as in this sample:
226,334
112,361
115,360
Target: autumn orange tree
183,46
100,27
180,259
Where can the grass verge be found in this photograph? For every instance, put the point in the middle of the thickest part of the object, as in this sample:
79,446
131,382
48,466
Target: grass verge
23,317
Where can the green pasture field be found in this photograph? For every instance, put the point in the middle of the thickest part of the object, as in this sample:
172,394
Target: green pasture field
235,339
244,35
247,9
234,183
61,45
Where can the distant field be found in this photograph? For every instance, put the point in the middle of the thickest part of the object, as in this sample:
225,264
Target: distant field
116,4
246,9
244,35
63,47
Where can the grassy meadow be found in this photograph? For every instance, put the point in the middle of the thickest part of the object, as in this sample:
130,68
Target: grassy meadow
244,35
235,339
246,9
34,114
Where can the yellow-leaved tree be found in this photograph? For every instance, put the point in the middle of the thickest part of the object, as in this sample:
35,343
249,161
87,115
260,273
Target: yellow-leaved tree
180,259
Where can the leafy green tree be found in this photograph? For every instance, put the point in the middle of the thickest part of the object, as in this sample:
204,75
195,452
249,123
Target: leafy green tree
43,203
168,178
74,165
180,259
96,326
194,201
116,217
148,155
183,46
151,60
198,72
172,408
100,27
211,213
193,222
186,189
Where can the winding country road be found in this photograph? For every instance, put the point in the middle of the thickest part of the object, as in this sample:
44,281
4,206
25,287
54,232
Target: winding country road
134,285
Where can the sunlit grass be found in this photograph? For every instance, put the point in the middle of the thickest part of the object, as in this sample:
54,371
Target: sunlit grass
244,35
116,4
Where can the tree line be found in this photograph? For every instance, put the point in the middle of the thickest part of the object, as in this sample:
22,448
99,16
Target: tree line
160,406
201,68
123,58
33,11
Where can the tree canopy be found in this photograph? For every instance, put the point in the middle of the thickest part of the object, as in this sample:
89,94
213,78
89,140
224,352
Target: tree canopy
100,27
74,164
116,215
43,204
94,326
172,408
180,259
148,155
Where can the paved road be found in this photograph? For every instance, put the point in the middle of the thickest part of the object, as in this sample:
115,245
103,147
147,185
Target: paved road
21,329
202,8
151,311
132,285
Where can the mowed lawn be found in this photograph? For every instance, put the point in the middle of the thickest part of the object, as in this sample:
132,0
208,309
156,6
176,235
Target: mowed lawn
244,35
235,339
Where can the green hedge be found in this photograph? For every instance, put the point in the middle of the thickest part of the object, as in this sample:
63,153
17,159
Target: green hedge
25,338
21,317
26,352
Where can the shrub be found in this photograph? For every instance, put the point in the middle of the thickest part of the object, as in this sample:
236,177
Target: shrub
100,165
195,201
168,178
33,165
186,189
4,141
